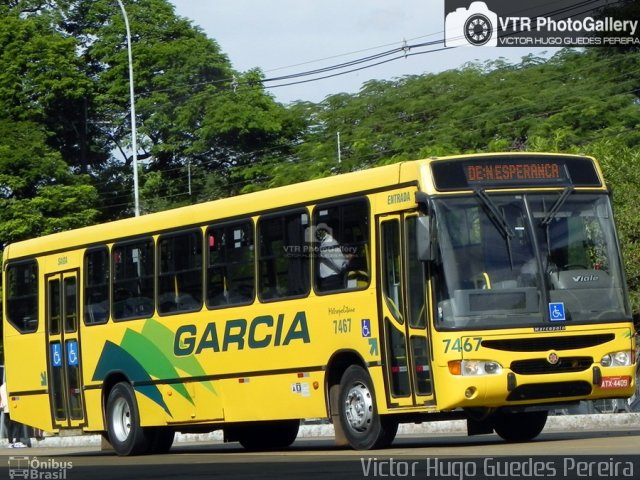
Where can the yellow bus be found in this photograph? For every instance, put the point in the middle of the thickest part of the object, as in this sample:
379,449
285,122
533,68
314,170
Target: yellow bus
481,287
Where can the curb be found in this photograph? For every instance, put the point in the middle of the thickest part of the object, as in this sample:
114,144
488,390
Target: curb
554,423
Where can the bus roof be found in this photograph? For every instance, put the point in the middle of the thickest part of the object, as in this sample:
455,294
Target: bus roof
202,213
403,173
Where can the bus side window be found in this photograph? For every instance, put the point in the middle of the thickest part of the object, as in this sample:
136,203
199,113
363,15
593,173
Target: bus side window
283,263
133,273
180,272
230,264
341,246
416,291
96,286
22,296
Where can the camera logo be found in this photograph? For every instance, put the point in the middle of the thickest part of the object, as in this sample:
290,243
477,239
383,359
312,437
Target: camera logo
474,26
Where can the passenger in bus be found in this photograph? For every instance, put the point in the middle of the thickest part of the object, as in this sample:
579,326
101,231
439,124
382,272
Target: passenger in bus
333,262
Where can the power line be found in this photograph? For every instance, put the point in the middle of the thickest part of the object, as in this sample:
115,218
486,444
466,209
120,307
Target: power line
370,159
470,121
359,64
405,50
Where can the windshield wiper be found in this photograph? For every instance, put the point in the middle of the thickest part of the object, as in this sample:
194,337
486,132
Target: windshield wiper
551,214
498,217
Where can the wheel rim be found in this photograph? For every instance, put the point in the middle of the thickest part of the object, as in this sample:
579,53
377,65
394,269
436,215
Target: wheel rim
359,407
121,421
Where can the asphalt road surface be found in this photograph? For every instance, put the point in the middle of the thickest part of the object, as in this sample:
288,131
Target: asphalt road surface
560,455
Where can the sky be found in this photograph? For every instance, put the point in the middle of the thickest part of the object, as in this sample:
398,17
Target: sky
283,37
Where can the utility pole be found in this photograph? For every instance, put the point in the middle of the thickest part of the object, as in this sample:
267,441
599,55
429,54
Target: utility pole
134,140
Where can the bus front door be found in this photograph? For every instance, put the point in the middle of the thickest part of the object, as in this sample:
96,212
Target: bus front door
65,379
404,314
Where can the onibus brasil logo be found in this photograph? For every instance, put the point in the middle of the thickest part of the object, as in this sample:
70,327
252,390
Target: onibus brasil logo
33,468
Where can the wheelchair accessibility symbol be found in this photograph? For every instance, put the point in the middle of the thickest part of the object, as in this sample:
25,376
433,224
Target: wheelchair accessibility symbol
56,355
556,312
366,327
72,353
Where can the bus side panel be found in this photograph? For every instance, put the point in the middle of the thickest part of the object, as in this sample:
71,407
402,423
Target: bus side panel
269,360
383,402
26,377
142,353
277,397
93,405
191,401
249,363
151,414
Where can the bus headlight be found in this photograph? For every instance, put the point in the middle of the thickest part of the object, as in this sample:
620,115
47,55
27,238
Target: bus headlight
617,359
474,368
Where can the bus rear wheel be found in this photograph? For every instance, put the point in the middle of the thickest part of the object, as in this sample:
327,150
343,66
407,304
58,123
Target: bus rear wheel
519,426
363,427
126,436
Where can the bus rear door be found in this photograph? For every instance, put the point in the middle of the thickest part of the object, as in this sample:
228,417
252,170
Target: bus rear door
63,343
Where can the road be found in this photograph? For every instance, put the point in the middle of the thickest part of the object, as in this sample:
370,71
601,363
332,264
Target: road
565,455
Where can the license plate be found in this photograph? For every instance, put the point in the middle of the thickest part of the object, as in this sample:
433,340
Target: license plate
615,382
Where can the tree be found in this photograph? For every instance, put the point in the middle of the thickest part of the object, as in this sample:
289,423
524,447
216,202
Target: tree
41,89
38,192
192,108
206,130
573,98
42,80
620,167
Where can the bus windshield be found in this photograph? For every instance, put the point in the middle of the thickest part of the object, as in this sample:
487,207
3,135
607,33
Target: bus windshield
540,259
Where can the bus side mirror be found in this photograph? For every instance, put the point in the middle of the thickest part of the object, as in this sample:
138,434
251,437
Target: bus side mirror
423,240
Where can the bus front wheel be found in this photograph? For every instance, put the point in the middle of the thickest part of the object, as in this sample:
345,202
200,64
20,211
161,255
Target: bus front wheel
519,426
125,434
363,427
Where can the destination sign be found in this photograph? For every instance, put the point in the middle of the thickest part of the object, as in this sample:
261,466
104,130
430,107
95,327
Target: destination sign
513,171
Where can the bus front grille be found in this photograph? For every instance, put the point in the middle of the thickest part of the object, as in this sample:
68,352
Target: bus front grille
539,391
537,366
545,344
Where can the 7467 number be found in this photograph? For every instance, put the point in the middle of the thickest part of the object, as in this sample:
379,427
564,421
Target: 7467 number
468,344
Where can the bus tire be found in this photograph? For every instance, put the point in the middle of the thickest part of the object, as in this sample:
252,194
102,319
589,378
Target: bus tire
363,427
126,436
519,426
160,439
